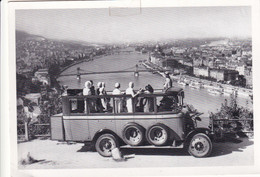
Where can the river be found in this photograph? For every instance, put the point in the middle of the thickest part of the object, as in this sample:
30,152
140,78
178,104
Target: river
199,98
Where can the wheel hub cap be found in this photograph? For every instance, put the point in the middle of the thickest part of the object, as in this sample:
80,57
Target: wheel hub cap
199,146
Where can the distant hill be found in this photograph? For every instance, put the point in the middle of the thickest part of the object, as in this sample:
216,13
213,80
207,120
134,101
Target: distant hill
21,35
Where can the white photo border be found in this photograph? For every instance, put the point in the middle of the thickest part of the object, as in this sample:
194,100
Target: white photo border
9,89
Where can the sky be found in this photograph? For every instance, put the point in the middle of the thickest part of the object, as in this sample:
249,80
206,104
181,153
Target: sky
97,25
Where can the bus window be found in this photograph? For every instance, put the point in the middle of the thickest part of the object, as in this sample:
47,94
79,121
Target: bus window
144,104
106,105
76,106
123,104
167,103
100,105
119,105
91,105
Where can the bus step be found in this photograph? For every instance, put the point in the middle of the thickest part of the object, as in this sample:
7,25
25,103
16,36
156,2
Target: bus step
151,146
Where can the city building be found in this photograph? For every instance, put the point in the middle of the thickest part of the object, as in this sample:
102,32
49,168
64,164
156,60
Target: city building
156,59
249,76
201,71
218,74
197,62
223,74
241,69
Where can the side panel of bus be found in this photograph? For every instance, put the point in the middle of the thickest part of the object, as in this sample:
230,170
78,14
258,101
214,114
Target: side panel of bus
174,122
145,121
76,128
121,122
57,128
99,122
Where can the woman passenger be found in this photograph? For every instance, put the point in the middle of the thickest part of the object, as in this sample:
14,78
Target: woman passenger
129,101
148,102
92,88
104,101
99,106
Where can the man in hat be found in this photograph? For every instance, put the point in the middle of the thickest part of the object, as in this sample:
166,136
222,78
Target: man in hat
118,101
168,81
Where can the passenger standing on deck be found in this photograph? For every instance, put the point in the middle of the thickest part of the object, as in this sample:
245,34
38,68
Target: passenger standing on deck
129,101
99,106
92,88
118,101
168,81
87,91
99,85
148,101
92,101
104,102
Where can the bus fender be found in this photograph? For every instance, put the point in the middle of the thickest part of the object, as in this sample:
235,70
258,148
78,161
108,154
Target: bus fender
133,123
206,131
174,135
103,131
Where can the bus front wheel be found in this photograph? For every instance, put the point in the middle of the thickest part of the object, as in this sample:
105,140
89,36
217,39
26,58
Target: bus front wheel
200,145
105,144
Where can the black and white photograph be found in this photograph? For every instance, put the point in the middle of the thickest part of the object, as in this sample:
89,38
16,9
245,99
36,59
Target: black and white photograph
139,87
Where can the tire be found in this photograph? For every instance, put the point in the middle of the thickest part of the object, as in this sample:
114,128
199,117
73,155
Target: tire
133,134
158,135
200,145
105,144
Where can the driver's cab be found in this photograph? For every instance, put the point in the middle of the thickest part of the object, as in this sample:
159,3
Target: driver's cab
171,101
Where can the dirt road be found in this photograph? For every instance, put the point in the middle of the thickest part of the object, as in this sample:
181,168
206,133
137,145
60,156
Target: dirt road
53,154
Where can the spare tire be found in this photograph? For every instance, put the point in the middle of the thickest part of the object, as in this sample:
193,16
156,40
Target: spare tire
158,135
133,134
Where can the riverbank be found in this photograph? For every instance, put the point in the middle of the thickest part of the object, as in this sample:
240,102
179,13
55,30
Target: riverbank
194,82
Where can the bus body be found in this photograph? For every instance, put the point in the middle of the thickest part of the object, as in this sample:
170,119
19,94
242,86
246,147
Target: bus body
106,121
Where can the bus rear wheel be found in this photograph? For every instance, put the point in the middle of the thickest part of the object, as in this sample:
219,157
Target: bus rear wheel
158,135
200,145
105,144
133,135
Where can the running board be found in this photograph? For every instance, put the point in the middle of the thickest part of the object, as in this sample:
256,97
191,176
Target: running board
152,146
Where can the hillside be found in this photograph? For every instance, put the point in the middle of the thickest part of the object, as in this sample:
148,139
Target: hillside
21,36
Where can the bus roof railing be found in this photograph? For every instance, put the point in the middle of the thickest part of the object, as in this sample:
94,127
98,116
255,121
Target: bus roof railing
77,93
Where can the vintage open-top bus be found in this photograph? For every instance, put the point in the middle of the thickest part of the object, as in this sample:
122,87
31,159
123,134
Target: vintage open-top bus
163,124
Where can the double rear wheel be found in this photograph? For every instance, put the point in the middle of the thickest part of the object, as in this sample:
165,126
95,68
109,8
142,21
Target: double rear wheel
133,134
158,135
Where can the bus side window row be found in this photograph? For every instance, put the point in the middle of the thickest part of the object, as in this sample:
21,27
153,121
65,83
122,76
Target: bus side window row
105,105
